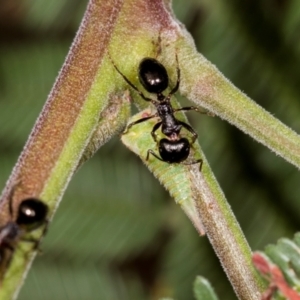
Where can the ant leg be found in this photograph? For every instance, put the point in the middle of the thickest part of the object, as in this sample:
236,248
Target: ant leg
33,241
157,44
6,259
150,151
36,242
45,230
9,247
203,111
137,122
191,130
176,87
10,199
200,161
155,127
129,82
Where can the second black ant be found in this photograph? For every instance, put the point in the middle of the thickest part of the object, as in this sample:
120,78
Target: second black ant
154,78
31,214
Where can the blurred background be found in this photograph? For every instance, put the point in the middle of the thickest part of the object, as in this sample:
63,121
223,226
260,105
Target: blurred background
118,234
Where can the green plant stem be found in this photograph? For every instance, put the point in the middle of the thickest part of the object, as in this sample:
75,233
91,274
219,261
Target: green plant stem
225,235
202,200
67,131
211,90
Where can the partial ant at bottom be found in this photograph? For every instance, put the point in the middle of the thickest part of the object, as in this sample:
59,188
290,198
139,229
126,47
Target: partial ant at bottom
32,214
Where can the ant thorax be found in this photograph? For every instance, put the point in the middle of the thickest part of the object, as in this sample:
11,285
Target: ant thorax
8,233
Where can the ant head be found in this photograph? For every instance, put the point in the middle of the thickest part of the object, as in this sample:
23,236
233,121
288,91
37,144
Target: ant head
153,75
32,212
174,151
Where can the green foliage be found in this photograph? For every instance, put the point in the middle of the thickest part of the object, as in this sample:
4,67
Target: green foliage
110,239
279,266
203,290
286,255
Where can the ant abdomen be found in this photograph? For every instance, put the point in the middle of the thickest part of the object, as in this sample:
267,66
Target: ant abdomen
31,213
174,151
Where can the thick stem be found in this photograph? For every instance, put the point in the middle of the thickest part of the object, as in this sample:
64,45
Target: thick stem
225,235
202,200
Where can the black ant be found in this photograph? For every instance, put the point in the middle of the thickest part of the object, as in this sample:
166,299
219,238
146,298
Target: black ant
31,215
154,78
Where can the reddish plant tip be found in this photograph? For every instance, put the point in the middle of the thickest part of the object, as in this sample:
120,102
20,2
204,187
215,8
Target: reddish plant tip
261,263
275,277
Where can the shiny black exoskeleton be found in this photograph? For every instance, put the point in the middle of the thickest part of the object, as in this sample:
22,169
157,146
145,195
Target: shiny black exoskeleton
32,213
154,78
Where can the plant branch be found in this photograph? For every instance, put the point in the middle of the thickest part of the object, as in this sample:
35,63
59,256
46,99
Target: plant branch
74,122
62,134
211,90
201,198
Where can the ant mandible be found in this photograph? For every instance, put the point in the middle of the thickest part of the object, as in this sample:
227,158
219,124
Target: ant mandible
154,78
32,214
